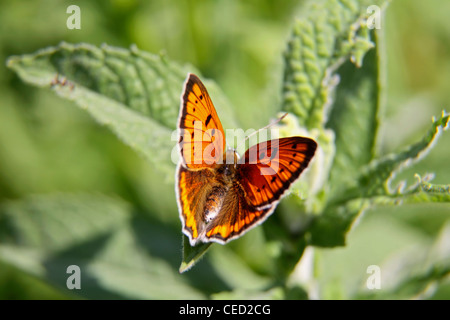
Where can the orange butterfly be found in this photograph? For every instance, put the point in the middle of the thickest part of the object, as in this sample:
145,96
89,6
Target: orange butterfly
220,195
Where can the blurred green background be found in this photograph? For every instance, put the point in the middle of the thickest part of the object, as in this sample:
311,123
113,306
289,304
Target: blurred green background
48,146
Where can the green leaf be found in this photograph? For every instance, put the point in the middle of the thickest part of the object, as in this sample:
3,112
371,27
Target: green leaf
402,251
330,228
191,255
353,117
145,83
135,94
415,276
235,272
354,120
323,72
433,188
377,176
120,254
326,34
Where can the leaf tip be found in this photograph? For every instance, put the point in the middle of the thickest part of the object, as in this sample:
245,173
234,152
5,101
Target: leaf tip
9,62
191,255
184,267
12,61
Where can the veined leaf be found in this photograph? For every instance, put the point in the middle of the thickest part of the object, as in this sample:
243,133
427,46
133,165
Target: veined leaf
377,177
325,73
145,83
119,254
354,120
134,93
329,229
327,34
191,255
433,188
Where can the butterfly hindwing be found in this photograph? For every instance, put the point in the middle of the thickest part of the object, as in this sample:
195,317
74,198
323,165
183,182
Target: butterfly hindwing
202,139
236,217
194,186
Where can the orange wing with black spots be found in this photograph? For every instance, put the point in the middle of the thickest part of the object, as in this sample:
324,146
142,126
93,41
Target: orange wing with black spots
269,168
202,139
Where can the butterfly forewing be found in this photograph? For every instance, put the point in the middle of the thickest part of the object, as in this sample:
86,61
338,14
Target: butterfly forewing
269,168
202,140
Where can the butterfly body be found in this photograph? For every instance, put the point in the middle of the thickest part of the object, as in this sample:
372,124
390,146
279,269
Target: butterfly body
219,194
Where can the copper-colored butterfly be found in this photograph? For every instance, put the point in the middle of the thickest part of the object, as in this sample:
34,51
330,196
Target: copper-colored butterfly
220,195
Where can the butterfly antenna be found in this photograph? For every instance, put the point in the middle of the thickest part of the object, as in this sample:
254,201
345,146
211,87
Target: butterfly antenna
268,126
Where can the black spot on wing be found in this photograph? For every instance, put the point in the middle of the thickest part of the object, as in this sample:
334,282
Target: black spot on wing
208,119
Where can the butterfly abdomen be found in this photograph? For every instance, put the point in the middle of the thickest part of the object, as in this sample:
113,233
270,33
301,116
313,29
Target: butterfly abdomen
213,202
224,179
